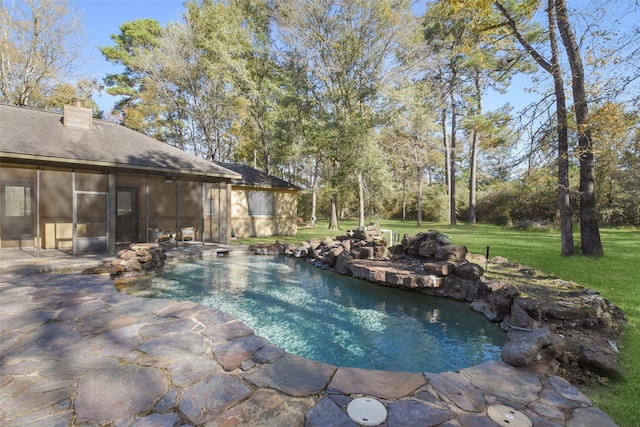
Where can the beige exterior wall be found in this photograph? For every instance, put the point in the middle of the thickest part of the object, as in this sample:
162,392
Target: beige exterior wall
283,222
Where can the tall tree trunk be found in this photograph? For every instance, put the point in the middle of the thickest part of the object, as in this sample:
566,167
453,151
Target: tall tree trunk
447,152
404,189
416,154
590,242
452,162
564,201
473,176
314,192
473,166
360,198
553,68
333,223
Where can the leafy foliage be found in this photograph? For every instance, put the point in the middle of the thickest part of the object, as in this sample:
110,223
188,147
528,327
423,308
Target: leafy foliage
40,43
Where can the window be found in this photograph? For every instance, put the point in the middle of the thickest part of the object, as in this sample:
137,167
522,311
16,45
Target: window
17,211
17,200
260,203
124,202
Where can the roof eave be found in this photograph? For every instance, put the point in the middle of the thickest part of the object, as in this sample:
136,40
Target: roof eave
89,164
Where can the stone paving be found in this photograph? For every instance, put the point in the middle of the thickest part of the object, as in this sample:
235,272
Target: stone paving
75,352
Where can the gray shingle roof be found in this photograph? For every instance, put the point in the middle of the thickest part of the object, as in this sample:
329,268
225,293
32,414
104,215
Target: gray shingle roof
255,178
32,136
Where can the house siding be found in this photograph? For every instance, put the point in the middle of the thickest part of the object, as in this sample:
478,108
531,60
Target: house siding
282,223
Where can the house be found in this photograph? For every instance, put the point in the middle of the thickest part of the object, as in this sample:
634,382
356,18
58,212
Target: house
261,204
71,182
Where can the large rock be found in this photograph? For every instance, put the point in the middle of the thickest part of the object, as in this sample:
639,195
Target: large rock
525,348
469,270
439,268
601,361
139,259
428,248
451,253
461,289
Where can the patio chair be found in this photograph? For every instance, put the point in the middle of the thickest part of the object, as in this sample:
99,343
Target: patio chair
188,233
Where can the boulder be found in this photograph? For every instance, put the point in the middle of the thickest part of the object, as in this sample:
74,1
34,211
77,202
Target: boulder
139,259
427,248
332,254
451,253
362,252
524,349
469,270
520,318
439,268
601,361
407,242
460,289
496,307
303,250
342,263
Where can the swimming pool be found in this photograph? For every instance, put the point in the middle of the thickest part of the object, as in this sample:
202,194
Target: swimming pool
332,318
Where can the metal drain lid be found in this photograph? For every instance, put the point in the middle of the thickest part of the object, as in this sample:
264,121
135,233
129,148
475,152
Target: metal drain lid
367,411
508,417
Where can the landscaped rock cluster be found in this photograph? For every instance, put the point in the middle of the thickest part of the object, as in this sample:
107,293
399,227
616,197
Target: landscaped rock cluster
428,262
550,324
139,259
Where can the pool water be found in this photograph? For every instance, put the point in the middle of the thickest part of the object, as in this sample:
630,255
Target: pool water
332,318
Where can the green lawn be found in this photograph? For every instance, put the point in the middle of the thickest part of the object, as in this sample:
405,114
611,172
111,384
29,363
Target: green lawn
615,275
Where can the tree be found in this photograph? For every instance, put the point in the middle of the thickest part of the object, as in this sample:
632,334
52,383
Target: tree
589,231
66,93
472,56
411,142
263,91
558,15
614,128
40,43
553,68
183,83
347,48
204,60
136,39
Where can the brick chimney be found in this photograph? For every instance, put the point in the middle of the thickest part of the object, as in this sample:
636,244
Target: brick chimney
76,116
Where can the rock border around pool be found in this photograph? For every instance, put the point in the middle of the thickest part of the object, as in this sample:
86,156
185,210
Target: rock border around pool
552,326
78,353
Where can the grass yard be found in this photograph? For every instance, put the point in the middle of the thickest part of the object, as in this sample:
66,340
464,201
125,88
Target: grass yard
616,276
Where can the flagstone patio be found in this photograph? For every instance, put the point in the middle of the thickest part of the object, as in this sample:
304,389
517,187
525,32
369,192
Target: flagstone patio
75,352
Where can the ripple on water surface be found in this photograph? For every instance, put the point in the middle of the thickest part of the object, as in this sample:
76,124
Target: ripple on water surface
332,318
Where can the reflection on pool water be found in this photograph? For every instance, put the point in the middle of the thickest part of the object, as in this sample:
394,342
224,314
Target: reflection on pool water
332,318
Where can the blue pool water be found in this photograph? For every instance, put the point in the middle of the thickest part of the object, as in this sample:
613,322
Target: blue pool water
332,318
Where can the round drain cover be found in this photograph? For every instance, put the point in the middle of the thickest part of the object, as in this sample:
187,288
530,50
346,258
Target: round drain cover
367,411
508,417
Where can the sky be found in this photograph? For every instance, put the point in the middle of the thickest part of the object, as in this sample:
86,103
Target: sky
102,18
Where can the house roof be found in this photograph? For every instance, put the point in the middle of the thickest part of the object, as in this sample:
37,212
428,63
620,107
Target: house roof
252,177
37,137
